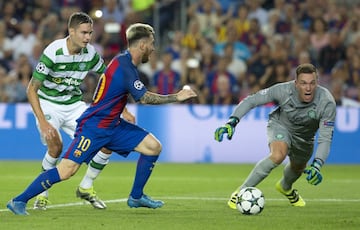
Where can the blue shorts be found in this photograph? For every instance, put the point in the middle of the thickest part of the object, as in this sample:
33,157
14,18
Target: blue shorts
88,140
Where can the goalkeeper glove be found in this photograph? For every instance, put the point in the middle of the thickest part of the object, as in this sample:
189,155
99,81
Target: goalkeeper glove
228,128
313,172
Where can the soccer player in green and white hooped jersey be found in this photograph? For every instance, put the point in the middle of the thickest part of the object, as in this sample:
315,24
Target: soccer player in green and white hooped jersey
303,108
55,96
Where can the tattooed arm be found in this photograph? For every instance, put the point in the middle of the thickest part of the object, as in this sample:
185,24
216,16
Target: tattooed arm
154,98
33,98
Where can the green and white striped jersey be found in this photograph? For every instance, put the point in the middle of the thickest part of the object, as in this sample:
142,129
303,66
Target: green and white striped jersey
62,73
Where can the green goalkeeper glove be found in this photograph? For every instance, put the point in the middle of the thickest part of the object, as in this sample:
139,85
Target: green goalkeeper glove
313,172
228,128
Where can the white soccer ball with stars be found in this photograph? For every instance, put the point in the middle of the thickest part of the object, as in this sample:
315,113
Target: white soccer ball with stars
250,201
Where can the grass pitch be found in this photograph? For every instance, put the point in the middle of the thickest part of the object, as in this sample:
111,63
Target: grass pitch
195,197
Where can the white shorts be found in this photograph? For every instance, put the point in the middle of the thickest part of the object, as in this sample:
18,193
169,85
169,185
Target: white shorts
61,116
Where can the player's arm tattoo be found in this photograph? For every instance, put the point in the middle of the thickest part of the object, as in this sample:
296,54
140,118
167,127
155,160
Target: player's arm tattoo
154,98
35,84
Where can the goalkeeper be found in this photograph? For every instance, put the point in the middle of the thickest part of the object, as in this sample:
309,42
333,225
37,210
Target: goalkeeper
303,108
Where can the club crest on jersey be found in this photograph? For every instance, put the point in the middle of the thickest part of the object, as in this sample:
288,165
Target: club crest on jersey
82,66
312,114
40,67
138,84
77,153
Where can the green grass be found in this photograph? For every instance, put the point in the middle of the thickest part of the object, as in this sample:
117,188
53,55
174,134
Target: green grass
195,197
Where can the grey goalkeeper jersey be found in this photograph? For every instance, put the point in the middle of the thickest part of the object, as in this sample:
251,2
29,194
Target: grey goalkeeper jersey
302,120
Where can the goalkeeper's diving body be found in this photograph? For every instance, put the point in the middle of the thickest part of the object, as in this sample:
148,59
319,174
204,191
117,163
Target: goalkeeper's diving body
303,108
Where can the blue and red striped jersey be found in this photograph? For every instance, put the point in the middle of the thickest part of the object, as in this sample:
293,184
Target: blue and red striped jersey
120,79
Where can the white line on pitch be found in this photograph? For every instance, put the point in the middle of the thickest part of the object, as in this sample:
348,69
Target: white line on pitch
187,198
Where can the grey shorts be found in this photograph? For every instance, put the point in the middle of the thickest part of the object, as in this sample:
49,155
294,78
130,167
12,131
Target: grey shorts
299,150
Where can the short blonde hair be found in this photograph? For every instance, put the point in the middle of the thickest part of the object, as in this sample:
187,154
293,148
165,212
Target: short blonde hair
138,31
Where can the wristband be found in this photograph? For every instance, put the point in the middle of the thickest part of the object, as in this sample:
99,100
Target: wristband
233,121
317,163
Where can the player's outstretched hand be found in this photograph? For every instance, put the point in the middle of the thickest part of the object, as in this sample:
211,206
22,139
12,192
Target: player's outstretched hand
314,176
185,94
228,128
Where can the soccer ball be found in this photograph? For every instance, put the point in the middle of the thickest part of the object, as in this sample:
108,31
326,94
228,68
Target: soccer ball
250,201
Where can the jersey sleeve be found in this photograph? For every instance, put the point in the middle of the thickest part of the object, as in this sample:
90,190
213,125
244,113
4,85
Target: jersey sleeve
42,69
97,62
137,90
264,96
134,85
326,129
99,67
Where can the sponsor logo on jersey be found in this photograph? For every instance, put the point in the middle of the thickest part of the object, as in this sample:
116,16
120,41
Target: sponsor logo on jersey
329,123
138,85
57,80
72,81
279,136
68,81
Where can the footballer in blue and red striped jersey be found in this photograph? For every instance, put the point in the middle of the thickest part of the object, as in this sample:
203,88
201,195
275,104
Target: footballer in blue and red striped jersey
112,92
101,125
103,115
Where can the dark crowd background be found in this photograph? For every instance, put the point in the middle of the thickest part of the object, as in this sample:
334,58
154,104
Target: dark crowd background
224,49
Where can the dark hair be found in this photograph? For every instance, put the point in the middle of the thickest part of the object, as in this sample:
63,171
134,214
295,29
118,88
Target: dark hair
78,18
138,31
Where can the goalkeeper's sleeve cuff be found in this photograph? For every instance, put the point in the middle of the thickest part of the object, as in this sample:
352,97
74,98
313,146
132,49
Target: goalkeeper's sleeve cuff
317,163
233,121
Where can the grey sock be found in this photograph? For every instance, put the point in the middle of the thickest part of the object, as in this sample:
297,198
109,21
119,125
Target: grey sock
259,172
290,176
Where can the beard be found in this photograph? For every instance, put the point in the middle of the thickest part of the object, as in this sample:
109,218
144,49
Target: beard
145,57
